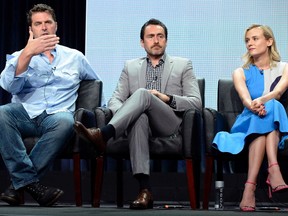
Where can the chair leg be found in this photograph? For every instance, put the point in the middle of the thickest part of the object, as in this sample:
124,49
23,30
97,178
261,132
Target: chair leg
191,183
208,181
119,183
77,179
98,181
22,198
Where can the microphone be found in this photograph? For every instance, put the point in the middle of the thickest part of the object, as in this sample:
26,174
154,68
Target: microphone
155,78
54,68
261,71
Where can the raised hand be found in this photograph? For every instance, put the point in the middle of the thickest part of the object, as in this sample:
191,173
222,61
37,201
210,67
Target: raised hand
34,47
41,44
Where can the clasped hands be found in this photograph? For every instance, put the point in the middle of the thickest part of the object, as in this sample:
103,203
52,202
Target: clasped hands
258,107
160,95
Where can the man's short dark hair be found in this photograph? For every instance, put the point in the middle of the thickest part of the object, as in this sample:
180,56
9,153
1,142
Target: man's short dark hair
153,22
40,8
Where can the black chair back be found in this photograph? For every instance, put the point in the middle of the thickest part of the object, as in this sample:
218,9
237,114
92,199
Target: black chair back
229,103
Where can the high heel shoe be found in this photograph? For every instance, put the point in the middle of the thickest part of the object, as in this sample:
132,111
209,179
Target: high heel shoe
278,188
248,208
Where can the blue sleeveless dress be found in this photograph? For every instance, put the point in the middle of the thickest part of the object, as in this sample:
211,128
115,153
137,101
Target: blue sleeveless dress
247,123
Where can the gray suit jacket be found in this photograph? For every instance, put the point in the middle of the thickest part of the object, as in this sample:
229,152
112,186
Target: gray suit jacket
178,79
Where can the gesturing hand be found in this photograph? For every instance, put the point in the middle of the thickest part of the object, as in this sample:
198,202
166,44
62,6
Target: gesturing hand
41,44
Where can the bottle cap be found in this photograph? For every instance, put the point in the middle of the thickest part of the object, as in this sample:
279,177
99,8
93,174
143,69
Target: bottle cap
219,184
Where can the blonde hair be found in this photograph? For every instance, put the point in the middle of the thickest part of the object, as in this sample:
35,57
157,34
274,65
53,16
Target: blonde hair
273,51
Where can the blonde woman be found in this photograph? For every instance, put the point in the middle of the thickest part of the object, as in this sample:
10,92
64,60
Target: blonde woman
263,125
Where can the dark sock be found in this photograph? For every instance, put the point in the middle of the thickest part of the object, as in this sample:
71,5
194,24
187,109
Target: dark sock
144,181
108,132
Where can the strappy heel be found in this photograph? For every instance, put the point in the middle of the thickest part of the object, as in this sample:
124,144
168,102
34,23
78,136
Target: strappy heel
278,188
248,208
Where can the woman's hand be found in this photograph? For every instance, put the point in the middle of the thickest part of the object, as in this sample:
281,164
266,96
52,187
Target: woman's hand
258,107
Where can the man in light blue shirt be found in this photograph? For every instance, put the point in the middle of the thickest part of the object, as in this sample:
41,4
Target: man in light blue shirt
43,79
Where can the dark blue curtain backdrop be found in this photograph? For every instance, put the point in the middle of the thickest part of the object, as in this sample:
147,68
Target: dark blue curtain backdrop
70,14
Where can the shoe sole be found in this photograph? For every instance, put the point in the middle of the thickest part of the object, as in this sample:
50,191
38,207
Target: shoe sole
54,200
9,200
141,207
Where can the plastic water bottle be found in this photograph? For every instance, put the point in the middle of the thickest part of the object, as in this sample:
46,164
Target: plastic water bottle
219,198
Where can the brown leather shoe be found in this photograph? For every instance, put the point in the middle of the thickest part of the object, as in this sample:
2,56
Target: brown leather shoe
144,200
93,135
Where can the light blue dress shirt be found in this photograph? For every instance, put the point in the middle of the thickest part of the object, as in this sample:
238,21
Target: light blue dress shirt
47,86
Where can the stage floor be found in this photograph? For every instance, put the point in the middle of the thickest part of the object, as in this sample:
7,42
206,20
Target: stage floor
111,210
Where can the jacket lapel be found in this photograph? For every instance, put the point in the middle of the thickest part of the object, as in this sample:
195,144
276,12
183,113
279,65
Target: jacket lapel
166,72
142,75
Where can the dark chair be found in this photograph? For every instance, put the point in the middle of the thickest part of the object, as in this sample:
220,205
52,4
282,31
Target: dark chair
179,147
89,97
229,106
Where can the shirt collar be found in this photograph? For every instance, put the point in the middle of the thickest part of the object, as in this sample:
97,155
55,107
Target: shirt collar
161,61
53,52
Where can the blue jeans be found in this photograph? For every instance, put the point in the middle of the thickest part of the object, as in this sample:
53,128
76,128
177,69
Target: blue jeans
53,130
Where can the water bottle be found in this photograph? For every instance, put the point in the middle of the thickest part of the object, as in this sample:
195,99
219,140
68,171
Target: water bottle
219,199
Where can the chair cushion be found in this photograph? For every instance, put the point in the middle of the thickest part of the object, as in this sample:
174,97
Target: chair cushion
169,147
30,142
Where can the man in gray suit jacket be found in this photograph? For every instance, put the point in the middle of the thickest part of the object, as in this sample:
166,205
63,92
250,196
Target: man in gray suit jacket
150,97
